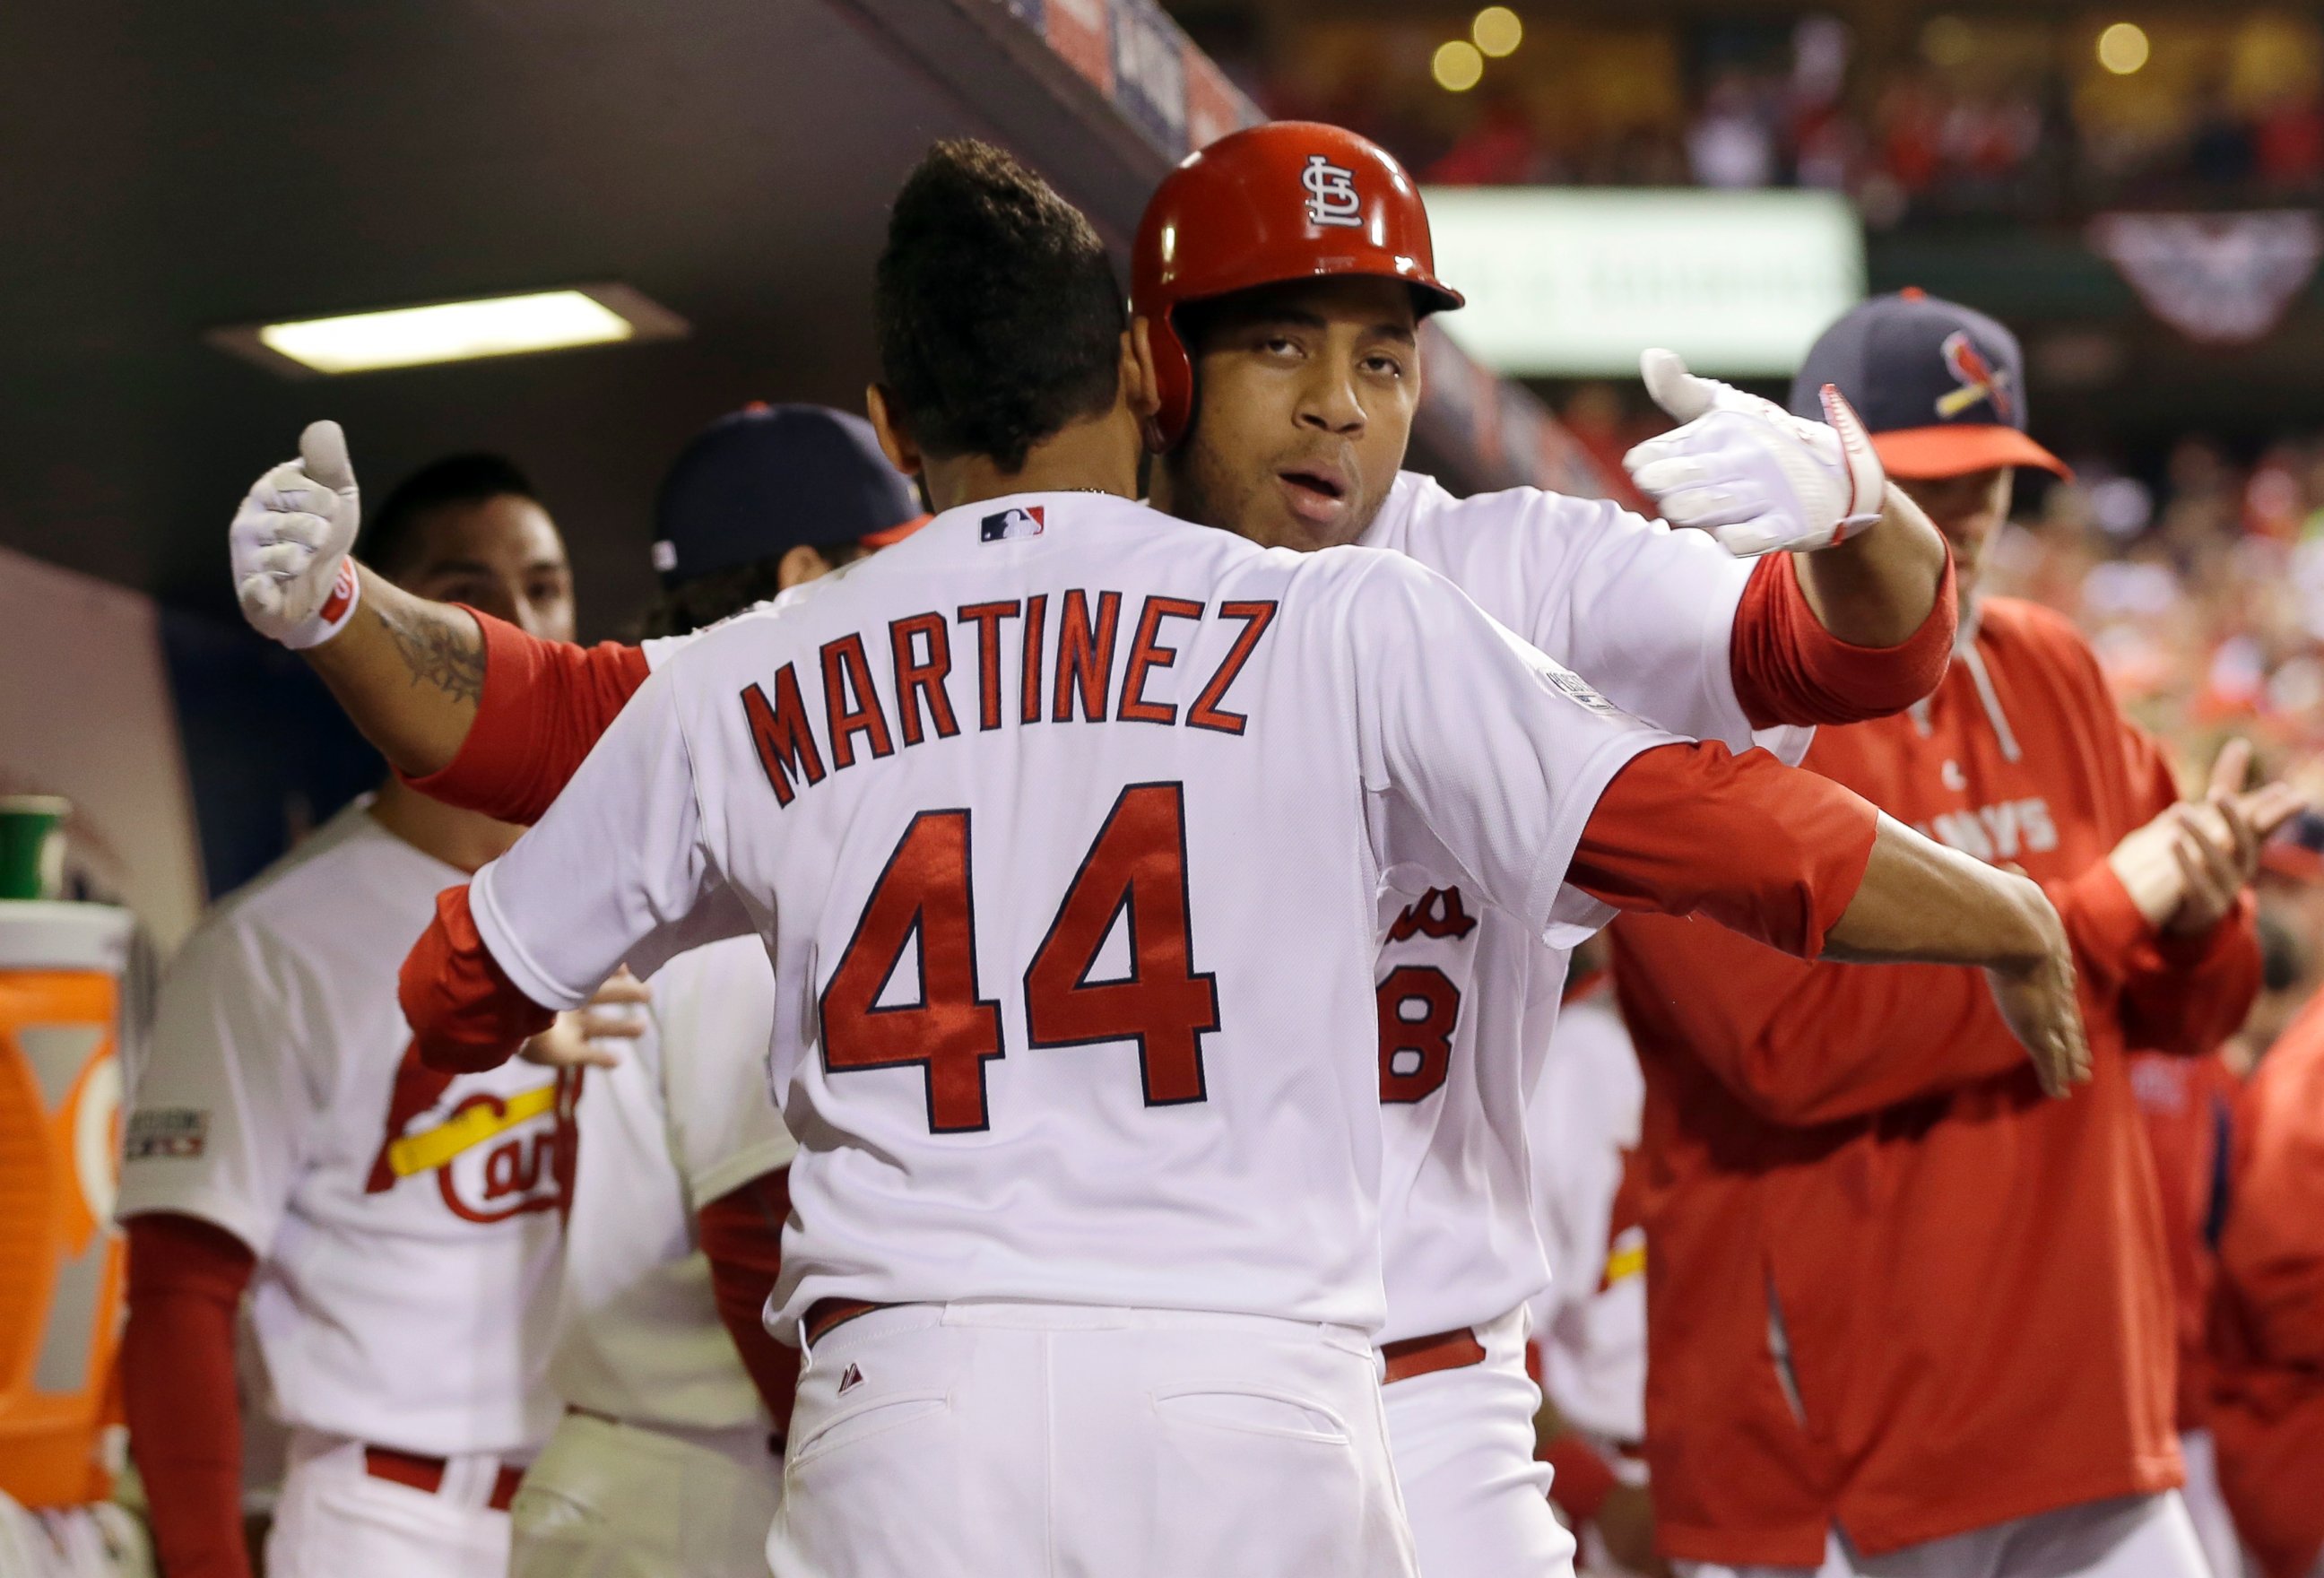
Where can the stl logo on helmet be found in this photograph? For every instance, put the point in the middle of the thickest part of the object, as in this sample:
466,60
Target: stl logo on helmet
1332,196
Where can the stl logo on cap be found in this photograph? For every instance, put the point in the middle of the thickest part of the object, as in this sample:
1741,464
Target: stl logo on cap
1978,379
1017,520
1330,193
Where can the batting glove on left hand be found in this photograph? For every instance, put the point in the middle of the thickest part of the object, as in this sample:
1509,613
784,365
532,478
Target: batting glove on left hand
1755,476
289,543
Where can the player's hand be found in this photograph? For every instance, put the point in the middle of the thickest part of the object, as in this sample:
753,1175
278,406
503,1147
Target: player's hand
2038,1003
1755,478
589,1037
2184,869
289,543
2221,834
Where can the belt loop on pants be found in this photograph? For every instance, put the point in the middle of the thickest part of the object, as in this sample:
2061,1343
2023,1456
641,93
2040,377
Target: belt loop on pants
1454,1350
426,1473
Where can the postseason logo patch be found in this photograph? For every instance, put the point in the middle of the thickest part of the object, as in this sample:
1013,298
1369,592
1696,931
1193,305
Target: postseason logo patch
181,1132
1016,521
1573,684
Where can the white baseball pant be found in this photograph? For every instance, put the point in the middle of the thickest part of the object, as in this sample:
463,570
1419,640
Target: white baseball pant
2130,1537
1005,1438
2207,1506
1462,1441
334,1519
613,1501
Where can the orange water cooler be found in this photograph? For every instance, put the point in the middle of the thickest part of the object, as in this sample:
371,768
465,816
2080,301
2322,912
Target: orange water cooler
60,1261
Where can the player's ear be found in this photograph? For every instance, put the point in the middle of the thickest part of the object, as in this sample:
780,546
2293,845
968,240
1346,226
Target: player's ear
1141,389
895,437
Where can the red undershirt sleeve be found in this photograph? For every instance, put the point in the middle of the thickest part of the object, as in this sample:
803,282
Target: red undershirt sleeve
1766,850
465,1015
186,1280
544,704
1788,668
742,1234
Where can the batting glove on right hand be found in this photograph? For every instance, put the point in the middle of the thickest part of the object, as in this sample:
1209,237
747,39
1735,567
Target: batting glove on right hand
289,543
1755,478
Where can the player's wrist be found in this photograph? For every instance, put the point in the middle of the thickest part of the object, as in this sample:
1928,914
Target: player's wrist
338,608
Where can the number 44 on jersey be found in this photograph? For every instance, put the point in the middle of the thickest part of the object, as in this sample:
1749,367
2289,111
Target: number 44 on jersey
1137,865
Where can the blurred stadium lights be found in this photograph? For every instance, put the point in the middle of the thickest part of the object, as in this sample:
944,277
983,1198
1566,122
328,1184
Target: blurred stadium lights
1947,41
1458,66
452,331
1496,32
1576,283
2123,48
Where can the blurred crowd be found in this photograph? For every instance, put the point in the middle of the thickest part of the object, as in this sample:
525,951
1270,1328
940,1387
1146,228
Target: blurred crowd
1943,117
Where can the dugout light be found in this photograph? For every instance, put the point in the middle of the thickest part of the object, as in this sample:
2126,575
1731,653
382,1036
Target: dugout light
1457,67
2123,48
453,331
1496,31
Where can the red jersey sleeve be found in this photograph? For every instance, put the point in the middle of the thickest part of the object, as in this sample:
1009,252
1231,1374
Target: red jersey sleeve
465,1015
1789,668
186,1279
543,705
1763,849
742,1238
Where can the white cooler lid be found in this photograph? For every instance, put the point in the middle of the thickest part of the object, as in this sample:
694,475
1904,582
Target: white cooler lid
39,934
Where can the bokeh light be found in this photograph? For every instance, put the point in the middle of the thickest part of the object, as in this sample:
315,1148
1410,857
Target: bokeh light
1497,31
2123,48
1458,66
1947,41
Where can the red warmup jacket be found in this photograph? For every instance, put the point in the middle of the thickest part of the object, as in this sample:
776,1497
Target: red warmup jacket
2186,1104
2267,1409
1855,1164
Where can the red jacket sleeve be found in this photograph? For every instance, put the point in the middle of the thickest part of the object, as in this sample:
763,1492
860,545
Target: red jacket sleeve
742,1236
544,705
1763,849
1790,670
465,1015
186,1279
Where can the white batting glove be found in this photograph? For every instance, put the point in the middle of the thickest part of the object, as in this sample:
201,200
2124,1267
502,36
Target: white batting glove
1758,478
289,543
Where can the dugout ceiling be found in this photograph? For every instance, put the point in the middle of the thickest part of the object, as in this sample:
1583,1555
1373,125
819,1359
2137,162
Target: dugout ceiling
165,169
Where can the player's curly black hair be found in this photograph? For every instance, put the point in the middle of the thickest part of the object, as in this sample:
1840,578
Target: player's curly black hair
1000,319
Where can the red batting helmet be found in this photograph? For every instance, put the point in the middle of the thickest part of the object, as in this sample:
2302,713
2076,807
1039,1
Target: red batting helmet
1286,200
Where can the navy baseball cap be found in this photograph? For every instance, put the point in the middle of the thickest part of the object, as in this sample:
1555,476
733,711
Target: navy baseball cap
1941,387
769,478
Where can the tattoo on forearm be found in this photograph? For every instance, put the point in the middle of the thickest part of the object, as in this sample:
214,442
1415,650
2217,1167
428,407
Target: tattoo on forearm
446,653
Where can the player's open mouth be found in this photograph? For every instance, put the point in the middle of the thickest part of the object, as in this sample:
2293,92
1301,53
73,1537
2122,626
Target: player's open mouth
1316,495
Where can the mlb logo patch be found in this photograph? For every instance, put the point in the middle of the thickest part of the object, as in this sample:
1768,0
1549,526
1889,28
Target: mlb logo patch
1017,520
178,1133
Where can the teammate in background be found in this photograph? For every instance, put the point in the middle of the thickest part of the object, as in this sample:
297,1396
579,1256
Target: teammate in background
397,1228
1054,1309
1285,332
2267,1410
668,1460
1866,1355
1589,1329
2186,1106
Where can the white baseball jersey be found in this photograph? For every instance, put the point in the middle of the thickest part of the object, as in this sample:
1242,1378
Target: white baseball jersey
685,1117
1644,614
1064,822
406,1223
1590,1326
